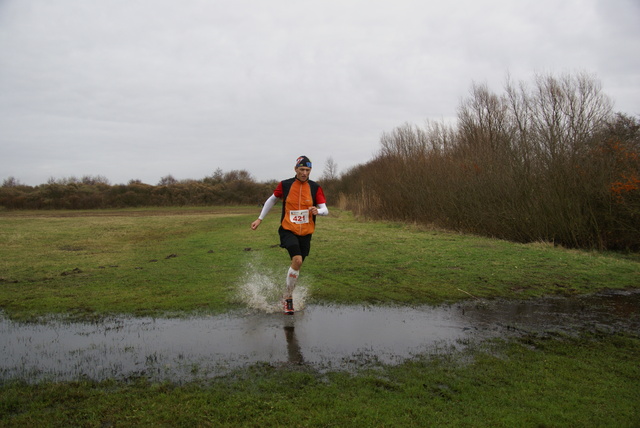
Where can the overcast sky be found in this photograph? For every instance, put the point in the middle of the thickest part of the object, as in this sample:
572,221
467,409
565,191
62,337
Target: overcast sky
140,89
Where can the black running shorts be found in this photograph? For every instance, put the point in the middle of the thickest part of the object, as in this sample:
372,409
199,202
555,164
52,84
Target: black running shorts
295,245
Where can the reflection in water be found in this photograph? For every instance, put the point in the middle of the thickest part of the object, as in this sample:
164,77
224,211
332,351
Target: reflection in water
293,347
325,337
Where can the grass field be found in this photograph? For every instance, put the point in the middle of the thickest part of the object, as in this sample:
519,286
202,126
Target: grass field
150,262
176,261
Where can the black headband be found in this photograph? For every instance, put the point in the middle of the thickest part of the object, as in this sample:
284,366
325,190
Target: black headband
303,161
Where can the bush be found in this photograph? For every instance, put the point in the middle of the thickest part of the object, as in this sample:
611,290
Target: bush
232,188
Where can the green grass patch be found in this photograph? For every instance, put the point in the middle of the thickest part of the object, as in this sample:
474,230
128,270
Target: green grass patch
537,381
158,261
382,262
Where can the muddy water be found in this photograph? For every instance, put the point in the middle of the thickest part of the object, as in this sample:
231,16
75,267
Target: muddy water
325,337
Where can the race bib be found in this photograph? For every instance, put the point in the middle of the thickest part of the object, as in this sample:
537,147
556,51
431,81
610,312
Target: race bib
299,216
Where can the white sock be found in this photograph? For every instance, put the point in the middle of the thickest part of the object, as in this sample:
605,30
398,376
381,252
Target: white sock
292,279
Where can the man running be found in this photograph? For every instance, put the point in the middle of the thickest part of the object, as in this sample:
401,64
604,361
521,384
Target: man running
303,200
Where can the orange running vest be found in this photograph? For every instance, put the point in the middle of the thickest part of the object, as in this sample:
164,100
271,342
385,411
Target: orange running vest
297,196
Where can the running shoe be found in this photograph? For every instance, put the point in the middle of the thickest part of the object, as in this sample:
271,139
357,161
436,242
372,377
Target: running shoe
288,306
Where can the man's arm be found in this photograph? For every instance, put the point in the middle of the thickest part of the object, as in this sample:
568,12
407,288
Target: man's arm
321,202
269,203
322,209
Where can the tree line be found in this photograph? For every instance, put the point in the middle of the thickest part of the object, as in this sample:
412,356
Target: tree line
548,161
235,187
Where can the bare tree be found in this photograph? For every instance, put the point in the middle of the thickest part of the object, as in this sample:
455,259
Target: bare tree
330,171
11,182
566,112
92,180
167,180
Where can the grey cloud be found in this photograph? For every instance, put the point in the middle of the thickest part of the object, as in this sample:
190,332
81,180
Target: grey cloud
140,89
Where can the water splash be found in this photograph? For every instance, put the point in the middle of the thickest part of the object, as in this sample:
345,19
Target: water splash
261,288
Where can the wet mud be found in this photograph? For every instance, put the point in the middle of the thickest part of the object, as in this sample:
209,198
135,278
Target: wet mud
325,337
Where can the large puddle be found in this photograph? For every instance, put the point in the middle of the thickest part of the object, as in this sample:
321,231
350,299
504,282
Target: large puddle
325,337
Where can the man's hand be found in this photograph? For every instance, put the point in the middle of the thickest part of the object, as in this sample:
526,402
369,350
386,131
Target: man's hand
255,224
313,211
